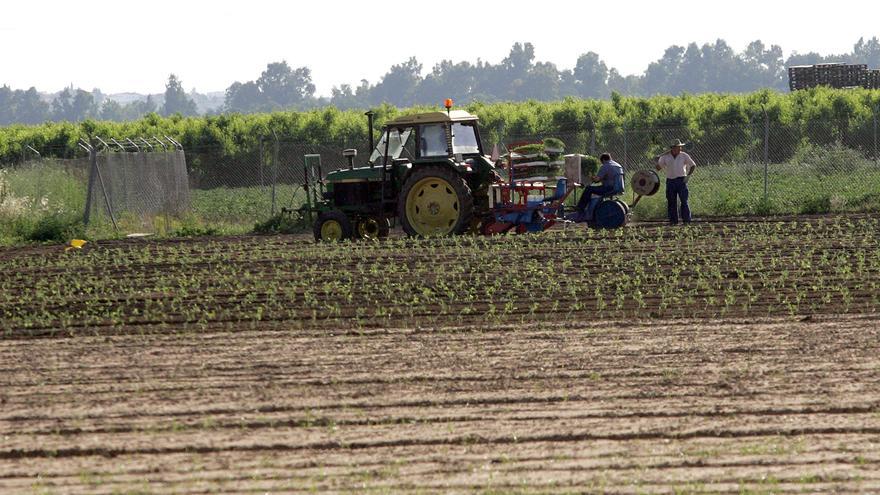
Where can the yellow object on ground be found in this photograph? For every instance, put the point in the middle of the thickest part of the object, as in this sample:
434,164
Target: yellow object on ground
75,244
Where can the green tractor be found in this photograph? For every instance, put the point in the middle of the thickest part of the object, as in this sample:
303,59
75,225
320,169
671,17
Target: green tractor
428,172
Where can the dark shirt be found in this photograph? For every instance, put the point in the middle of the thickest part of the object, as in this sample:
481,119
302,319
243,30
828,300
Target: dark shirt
611,174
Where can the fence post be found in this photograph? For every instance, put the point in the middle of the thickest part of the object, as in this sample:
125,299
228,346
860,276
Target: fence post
876,110
93,172
104,192
625,148
592,129
592,141
262,182
766,149
274,171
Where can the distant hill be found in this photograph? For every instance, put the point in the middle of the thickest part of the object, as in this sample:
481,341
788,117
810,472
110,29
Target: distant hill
211,101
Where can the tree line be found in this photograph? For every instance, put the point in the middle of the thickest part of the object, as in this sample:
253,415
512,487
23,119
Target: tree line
712,67
75,105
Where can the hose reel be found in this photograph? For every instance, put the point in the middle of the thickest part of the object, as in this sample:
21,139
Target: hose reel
644,183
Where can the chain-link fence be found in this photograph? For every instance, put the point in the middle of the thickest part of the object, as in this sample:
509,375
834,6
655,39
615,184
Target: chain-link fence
757,168
253,185
134,187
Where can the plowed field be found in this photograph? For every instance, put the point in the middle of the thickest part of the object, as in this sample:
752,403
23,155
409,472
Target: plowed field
275,365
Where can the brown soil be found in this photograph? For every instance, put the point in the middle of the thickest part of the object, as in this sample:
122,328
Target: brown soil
110,383
774,405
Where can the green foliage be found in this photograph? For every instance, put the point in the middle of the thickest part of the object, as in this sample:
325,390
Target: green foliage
733,269
242,204
47,188
529,149
831,158
554,144
176,100
40,204
55,228
279,86
816,205
820,164
708,119
282,223
589,166
764,207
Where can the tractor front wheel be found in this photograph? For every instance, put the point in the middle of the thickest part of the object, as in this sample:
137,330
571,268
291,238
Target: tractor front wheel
331,226
435,201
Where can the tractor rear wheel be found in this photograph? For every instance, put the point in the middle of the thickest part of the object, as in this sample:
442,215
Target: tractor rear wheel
610,214
372,228
332,225
435,201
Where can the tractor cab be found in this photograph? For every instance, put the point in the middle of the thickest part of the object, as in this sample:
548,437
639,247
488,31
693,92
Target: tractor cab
429,137
398,143
452,138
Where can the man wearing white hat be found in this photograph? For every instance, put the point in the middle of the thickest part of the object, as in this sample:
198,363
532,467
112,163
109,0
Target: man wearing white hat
678,166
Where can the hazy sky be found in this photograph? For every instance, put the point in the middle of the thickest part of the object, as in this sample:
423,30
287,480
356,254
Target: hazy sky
133,46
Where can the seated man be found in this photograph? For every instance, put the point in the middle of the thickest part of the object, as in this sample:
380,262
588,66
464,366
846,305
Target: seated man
610,174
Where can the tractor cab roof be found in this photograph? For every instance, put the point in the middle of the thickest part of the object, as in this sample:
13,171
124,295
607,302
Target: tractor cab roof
432,118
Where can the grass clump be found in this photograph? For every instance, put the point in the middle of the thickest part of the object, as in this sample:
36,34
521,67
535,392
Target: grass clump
52,228
816,205
282,223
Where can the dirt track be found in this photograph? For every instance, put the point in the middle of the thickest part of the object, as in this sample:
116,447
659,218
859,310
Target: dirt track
778,405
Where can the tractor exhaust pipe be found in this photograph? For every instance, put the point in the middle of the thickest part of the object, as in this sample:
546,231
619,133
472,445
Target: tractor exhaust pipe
350,154
369,115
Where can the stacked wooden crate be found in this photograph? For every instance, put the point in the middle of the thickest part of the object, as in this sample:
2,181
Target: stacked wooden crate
872,79
833,75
